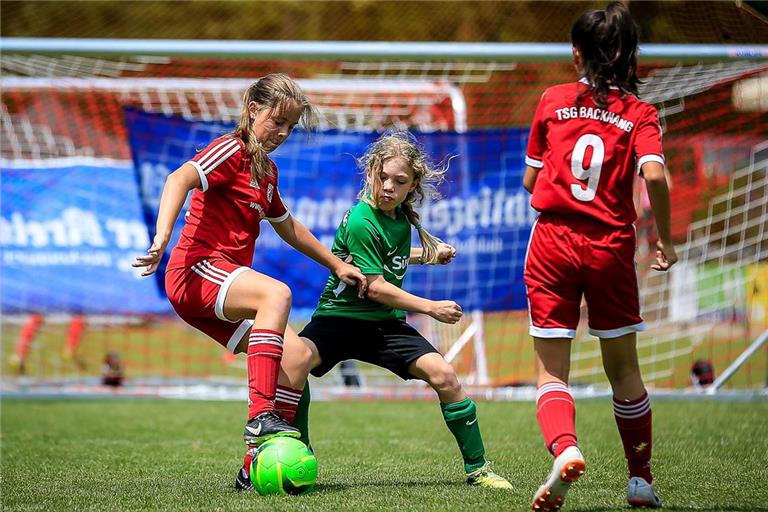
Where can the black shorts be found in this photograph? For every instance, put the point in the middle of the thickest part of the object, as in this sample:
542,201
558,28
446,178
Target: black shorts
390,344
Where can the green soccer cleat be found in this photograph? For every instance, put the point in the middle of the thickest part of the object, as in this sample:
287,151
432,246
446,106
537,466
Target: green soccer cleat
485,477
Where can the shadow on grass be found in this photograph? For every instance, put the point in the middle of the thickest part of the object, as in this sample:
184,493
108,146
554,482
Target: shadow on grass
718,507
340,487
708,507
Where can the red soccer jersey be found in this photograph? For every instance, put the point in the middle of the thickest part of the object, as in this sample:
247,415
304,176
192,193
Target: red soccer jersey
587,156
225,212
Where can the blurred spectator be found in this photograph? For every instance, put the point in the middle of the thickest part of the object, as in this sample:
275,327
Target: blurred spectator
349,374
702,373
112,371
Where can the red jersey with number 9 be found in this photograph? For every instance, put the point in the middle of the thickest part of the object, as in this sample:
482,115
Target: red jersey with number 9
587,156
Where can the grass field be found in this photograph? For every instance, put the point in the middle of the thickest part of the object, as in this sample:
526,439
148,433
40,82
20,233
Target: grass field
127,455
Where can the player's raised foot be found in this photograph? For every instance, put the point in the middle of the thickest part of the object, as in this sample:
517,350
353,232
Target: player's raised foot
641,494
566,469
484,476
265,426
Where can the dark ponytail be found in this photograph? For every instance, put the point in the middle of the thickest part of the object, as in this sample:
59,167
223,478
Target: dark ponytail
608,43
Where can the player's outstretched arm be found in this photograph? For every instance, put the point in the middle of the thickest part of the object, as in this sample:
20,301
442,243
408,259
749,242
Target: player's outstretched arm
177,186
300,238
658,193
383,292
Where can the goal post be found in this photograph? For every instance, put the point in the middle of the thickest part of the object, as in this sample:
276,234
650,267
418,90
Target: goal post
63,114
358,50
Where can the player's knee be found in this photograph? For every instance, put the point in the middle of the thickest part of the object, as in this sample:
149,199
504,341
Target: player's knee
624,376
302,356
279,297
443,378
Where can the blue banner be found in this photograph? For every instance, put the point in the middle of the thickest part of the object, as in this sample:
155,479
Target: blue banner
485,212
69,231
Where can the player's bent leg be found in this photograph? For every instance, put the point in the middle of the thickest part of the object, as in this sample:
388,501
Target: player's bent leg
253,295
300,356
460,415
433,369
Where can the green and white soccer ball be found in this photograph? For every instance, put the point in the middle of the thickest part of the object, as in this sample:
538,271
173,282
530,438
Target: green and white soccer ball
283,465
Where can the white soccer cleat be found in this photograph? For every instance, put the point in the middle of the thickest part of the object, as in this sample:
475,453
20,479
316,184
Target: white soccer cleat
566,469
641,494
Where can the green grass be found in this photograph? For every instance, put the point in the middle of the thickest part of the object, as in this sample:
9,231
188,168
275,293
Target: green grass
127,455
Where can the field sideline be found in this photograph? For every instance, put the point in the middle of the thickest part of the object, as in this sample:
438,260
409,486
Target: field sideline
143,454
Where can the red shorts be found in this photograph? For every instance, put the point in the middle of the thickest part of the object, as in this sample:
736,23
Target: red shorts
197,294
569,257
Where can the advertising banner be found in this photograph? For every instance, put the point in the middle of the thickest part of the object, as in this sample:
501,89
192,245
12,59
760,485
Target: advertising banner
485,212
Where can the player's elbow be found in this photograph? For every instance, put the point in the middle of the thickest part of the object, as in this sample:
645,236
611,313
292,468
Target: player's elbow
529,178
376,289
653,172
528,185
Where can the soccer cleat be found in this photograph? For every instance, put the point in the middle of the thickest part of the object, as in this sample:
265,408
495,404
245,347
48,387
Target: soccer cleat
266,426
243,481
566,469
641,494
485,477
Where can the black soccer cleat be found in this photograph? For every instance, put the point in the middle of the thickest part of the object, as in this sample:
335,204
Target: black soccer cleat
243,481
265,426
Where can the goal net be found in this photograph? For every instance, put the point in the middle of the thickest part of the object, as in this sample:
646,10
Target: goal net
87,141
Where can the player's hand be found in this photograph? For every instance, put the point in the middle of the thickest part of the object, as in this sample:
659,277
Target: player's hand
152,259
445,311
352,276
665,256
445,253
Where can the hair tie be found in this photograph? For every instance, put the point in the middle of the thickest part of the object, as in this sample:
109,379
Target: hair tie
417,225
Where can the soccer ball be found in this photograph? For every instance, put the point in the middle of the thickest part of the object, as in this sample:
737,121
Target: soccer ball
283,465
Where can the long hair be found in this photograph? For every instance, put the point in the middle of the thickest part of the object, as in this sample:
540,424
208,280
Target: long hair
608,42
426,177
275,92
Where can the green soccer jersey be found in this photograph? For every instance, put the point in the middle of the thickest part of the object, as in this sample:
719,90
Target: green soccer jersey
377,244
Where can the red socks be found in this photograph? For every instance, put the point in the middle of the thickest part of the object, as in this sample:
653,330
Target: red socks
633,417
265,349
556,413
287,401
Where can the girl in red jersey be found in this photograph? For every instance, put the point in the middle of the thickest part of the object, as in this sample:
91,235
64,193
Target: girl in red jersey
208,279
587,140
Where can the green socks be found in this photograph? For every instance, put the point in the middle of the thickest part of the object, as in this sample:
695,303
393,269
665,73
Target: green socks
461,418
301,420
